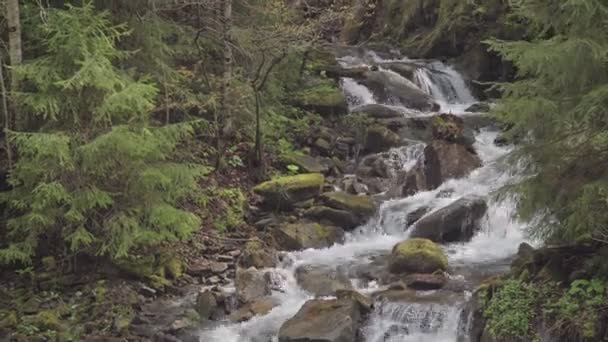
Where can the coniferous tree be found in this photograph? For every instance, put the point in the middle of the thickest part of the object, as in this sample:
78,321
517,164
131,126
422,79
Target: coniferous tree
95,176
560,102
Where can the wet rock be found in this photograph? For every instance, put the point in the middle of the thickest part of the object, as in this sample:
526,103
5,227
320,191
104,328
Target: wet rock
425,282
415,215
283,192
479,107
251,284
362,206
458,221
305,163
258,307
206,304
322,281
218,267
451,128
379,138
322,99
341,218
402,68
303,235
392,88
378,111
442,161
417,256
338,72
365,303
335,320
257,254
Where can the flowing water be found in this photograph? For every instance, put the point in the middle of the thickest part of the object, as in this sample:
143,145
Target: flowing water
436,317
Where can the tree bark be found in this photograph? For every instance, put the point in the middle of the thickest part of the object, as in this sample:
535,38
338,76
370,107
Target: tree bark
5,112
14,32
224,119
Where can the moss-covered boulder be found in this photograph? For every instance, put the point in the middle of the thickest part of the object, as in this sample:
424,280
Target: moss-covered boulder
284,192
417,256
325,99
305,163
360,205
378,138
303,235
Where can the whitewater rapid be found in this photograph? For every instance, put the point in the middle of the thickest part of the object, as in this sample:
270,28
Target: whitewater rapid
489,250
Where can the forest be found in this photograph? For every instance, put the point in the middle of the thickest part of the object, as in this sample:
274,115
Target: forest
304,170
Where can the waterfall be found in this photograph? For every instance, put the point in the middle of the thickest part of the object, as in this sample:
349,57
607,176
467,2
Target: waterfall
432,316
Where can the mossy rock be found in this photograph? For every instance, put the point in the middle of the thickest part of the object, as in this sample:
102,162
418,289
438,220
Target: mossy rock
138,267
341,218
324,99
283,192
362,206
174,268
305,163
378,138
417,256
257,254
303,235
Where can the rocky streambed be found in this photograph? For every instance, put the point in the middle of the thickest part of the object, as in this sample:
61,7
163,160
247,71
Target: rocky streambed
388,246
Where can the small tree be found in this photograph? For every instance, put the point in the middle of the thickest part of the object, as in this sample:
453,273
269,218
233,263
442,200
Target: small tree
95,176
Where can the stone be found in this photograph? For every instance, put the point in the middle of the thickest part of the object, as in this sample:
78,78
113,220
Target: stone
218,267
378,111
323,145
457,222
335,320
258,307
360,205
305,163
442,161
451,128
283,192
379,139
206,304
479,107
199,268
257,254
425,282
417,256
303,235
251,284
365,303
341,218
323,99
322,281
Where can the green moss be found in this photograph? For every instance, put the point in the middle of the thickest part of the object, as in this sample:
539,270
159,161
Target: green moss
159,282
420,252
9,320
324,99
174,268
363,205
49,263
48,320
305,163
283,192
321,231
139,267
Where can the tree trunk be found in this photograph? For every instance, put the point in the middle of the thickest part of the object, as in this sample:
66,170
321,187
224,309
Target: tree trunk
14,32
224,123
5,112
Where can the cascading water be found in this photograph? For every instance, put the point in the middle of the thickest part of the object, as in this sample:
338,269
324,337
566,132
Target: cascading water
432,316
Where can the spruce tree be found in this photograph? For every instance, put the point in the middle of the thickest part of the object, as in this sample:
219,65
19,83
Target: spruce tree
560,102
95,175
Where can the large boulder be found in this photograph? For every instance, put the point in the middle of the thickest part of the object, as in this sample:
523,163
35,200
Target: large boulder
335,320
378,138
251,284
303,235
458,221
284,192
442,161
451,128
305,163
257,254
417,256
341,218
360,205
322,281
324,99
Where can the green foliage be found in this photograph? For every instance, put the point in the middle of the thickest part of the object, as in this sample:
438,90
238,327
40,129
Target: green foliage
224,207
96,177
511,310
580,307
560,99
